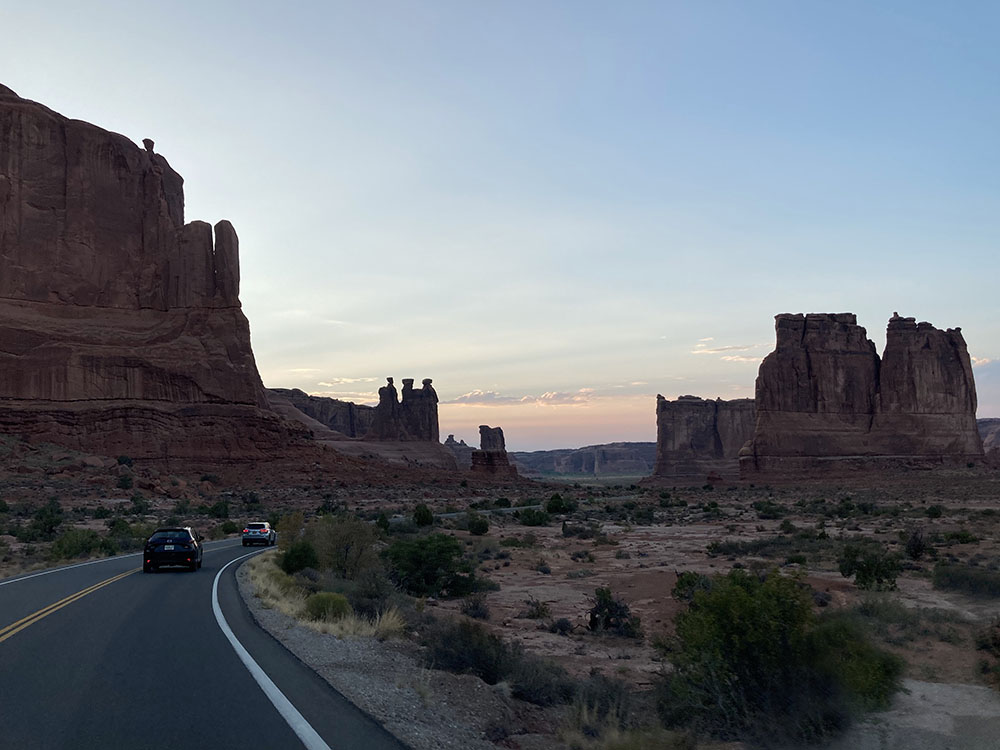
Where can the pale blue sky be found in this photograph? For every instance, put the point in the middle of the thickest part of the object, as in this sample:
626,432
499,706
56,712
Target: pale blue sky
562,198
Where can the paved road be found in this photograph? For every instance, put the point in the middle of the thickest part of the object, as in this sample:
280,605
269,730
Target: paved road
103,656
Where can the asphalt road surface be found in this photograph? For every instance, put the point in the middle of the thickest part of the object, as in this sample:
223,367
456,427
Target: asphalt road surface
101,655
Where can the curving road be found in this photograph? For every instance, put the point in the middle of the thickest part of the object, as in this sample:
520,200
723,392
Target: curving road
100,655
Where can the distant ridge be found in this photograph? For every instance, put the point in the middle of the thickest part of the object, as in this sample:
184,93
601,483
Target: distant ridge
608,459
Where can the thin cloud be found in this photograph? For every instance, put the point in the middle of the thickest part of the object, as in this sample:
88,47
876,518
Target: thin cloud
334,382
549,398
739,358
980,361
483,398
355,396
720,349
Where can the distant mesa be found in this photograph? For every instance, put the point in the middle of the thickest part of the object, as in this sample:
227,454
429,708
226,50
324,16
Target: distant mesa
698,438
461,450
491,458
825,400
120,324
622,460
989,431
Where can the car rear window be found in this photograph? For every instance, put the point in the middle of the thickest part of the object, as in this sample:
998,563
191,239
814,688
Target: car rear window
256,526
168,537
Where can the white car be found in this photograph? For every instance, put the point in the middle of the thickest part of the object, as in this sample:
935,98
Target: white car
259,532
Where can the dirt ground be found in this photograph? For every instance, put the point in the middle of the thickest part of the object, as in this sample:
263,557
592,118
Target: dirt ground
631,539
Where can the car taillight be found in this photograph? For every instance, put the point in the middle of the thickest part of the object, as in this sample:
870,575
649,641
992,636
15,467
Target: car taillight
246,531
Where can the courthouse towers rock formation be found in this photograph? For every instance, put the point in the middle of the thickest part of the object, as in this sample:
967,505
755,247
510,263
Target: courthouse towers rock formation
491,458
824,398
120,325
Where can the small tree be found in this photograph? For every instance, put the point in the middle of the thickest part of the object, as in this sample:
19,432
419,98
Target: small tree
613,615
422,515
873,567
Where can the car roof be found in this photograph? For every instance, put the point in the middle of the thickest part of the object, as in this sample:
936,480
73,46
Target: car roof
172,528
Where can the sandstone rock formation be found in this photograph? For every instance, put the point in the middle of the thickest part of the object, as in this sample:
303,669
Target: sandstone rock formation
120,325
491,458
625,460
698,438
824,398
989,430
343,417
461,450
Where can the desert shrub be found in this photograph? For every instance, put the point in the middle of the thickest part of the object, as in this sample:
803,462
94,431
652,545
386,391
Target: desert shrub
125,482
689,582
102,511
534,517
46,520
468,648
960,537
211,479
140,505
501,502
527,540
124,461
934,511
873,567
558,504
535,609
475,606
916,546
967,579
540,681
562,626
601,704
370,593
382,522
79,543
787,527
229,527
430,566
290,528
422,515
752,662
542,566
344,544
299,556
325,605
4,508
768,510
612,615
582,555
580,530
795,560
478,525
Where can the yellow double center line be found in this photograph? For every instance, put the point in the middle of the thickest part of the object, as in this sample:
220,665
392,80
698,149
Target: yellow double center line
16,627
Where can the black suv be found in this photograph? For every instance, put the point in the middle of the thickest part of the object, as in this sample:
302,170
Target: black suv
172,546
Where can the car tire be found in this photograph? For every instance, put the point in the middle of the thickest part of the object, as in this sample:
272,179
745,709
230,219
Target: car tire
199,562
147,568
244,543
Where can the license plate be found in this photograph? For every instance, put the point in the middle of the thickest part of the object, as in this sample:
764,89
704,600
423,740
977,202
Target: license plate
168,547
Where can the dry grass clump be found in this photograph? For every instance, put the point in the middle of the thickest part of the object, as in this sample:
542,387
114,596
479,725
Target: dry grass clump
278,590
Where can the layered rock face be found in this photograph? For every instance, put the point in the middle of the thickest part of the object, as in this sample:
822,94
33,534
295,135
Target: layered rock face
120,325
414,418
825,399
344,417
608,459
696,437
461,450
491,458
989,430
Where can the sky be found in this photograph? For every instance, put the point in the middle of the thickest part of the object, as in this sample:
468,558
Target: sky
558,209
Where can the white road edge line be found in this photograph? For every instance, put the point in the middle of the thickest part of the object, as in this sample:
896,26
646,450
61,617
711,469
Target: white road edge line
302,728
89,562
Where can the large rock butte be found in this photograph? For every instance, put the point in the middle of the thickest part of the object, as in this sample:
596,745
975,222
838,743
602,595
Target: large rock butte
491,458
696,437
824,398
120,324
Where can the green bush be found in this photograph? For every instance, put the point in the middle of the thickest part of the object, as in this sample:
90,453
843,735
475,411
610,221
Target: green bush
344,544
873,567
422,515
934,511
125,482
124,461
229,527
430,566
4,508
475,606
382,522
299,556
768,510
46,520
752,662
967,579
80,543
326,605
557,504
478,525
612,615
534,517
916,546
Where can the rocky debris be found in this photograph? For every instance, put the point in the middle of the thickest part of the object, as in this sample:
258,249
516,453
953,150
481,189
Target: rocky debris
698,437
824,398
491,458
120,325
608,459
462,450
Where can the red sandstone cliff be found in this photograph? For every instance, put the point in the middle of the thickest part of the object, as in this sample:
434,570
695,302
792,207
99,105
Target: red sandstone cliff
120,325
696,437
824,397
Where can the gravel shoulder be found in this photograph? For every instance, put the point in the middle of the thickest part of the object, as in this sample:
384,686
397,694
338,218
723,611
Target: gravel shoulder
424,708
